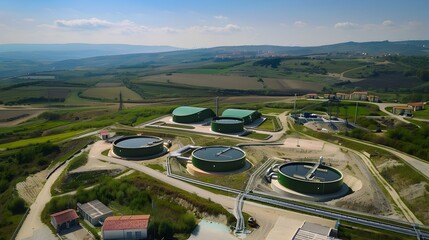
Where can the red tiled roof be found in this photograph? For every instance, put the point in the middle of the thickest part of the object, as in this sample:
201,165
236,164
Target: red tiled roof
104,132
312,94
416,104
65,216
402,107
126,222
360,93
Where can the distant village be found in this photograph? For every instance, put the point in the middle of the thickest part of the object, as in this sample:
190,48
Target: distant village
364,96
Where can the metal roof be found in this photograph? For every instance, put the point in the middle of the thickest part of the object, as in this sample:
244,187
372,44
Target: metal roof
237,113
95,209
186,110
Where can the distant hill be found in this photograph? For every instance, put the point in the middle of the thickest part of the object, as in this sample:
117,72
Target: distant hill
18,59
372,48
58,52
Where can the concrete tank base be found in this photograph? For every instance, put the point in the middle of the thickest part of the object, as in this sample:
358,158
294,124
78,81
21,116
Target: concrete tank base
164,151
194,171
283,191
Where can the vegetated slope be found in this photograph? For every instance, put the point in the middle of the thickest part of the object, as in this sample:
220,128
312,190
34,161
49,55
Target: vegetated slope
376,48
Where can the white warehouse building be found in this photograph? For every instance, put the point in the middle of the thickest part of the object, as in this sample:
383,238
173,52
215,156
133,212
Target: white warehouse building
126,227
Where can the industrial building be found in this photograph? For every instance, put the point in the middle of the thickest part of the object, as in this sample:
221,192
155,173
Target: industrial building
219,158
64,220
187,114
227,125
310,230
95,212
138,147
126,227
248,116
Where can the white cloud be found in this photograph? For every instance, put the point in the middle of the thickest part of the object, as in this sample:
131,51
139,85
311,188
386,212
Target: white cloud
28,20
95,24
299,24
224,29
83,23
387,23
220,17
346,25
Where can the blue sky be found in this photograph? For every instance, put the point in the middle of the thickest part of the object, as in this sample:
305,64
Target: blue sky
207,23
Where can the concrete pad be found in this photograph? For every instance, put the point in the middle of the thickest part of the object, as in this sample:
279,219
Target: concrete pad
285,228
306,144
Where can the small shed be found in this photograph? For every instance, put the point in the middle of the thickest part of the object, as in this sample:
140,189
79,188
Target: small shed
104,134
125,227
95,212
64,220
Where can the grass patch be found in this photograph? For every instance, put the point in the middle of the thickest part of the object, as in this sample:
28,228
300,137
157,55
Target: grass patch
105,152
111,93
348,231
422,113
51,138
157,167
270,124
258,136
176,125
79,161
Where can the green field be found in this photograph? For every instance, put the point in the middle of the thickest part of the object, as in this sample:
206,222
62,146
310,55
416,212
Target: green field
111,93
422,114
235,82
51,138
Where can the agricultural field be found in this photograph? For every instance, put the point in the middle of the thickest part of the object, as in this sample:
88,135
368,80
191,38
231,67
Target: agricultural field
111,93
34,92
233,82
7,115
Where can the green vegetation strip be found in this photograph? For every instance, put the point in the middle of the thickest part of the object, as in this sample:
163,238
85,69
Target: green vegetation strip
51,138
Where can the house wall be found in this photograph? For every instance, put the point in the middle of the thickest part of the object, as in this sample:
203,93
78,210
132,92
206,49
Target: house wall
125,234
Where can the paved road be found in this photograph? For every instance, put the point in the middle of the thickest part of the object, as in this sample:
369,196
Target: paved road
383,107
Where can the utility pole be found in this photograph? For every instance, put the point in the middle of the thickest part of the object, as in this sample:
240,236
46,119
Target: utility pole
121,103
294,104
217,106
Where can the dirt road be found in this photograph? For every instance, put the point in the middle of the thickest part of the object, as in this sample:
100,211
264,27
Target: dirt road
33,223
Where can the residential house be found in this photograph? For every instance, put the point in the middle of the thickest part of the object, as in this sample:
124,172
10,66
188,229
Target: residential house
64,220
416,106
359,96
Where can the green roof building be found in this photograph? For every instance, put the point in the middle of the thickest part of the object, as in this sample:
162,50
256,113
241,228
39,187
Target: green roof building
248,116
186,114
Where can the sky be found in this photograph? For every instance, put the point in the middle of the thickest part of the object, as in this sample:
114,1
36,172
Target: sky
209,23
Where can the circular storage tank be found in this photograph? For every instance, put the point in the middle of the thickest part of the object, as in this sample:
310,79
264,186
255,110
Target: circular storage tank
297,177
227,125
138,146
219,158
